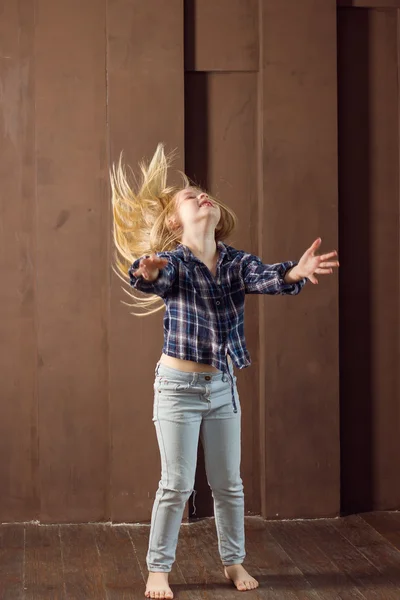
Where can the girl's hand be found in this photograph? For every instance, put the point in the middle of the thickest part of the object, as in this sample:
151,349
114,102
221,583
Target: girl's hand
149,267
309,264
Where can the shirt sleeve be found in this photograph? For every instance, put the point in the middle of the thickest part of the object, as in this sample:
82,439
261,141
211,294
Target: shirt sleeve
166,277
260,278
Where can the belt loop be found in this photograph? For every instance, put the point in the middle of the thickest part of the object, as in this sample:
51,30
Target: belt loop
157,367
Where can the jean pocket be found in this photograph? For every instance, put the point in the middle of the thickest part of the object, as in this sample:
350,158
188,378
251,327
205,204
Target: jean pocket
168,384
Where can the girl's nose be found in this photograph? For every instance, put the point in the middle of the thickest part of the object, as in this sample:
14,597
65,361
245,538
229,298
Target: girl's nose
202,195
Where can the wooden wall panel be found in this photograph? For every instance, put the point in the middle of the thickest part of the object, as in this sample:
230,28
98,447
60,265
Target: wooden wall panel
221,35
146,106
300,336
72,260
369,240
87,81
18,410
221,155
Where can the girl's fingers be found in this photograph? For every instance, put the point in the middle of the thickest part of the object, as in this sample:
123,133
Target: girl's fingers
139,272
314,246
161,262
155,261
324,265
150,263
146,261
142,270
323,271
328,256
317,243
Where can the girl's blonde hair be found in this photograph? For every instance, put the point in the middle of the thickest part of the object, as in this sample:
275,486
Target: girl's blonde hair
142,219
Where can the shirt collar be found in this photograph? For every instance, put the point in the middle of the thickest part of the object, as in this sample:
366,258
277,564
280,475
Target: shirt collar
188,255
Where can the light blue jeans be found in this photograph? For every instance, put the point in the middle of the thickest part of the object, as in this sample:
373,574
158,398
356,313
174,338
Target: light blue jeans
187,406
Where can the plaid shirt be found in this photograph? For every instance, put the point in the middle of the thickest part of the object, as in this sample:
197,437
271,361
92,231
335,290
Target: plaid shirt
204,317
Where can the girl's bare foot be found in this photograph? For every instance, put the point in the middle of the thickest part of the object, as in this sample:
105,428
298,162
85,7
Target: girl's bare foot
157,586
240,577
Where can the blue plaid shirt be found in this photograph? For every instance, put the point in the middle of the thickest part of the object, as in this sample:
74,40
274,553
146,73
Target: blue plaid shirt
204,317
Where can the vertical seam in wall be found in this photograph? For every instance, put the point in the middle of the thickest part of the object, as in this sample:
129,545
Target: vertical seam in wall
108,495
37,358
339,432
261,305
398,189
183,41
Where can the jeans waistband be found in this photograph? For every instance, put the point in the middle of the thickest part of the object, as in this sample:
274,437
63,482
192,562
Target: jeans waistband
192,376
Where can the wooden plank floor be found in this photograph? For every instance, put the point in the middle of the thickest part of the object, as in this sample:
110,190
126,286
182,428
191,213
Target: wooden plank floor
350,558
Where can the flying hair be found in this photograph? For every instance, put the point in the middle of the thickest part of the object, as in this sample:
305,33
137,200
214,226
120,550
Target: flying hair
143,213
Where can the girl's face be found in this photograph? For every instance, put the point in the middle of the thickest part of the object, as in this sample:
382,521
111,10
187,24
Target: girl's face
195,208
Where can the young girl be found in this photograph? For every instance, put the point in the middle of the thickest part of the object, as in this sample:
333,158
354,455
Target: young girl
170,246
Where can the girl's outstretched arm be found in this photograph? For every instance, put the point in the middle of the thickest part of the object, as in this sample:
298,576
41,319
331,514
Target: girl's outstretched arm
153,274
286,277
261,278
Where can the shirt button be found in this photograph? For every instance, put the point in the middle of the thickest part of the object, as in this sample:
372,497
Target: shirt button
218,303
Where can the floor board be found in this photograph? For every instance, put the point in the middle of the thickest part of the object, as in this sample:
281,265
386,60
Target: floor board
350,558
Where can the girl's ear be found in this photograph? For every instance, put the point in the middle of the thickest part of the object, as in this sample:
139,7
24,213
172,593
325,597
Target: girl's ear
172,223
172,220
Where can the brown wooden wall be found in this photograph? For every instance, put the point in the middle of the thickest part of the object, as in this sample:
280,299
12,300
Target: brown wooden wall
247,92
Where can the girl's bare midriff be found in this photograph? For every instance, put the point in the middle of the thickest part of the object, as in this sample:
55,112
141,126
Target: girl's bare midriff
187,365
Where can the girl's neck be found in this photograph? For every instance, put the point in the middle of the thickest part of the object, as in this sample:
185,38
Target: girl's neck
205,250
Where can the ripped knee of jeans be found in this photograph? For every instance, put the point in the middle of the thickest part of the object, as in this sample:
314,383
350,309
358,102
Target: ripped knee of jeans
194,505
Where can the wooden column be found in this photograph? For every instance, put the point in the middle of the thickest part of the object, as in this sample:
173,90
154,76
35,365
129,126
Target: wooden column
221,62
18,407
299,202
72,260
145,106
